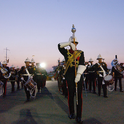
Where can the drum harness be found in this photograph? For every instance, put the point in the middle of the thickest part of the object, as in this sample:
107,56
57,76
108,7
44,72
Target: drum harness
104,74
29,77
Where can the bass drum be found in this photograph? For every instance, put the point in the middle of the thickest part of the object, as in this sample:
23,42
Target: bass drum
1,88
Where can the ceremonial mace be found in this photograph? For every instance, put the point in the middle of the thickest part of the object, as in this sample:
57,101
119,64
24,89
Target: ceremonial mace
73,30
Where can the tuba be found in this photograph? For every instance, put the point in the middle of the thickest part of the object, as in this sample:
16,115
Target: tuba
119,68
5,72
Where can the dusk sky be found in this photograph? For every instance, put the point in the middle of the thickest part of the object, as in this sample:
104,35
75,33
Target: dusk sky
35,27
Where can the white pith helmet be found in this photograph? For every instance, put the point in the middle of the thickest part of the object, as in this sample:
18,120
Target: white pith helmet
32,60
72,39
12,66
90,60
17,67
4,63
27,60
99,57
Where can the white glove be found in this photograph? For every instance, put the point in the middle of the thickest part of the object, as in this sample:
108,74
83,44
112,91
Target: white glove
77,78
73,46
65,44
81,69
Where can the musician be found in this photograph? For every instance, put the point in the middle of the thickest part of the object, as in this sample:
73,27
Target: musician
64,80
92,77
12,78
39,77
25,73
5,76
18,77
33,69
86,76
44,77
102,70
60,78
58,74
117,74
70,75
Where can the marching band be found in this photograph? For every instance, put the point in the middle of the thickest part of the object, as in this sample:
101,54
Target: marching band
73,75
25,77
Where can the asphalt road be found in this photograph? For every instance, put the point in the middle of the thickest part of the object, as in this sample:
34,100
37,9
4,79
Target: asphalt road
50,107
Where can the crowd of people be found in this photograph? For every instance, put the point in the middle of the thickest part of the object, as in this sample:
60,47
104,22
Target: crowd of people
30,77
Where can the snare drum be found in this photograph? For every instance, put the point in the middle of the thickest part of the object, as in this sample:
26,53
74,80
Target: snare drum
30,84
108,79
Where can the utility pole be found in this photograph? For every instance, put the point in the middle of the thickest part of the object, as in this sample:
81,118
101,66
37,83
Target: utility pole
6,53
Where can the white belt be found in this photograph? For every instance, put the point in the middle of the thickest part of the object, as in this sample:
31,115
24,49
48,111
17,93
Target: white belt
38,73
91,71
25,74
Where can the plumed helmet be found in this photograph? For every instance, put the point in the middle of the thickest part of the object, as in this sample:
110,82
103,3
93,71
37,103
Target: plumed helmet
4,62
32,60
99,57
90,60
27,60
72,39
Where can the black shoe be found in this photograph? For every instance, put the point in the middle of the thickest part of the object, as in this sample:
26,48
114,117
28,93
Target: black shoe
79,121
121,91
94,92
71,116
105,96
4,96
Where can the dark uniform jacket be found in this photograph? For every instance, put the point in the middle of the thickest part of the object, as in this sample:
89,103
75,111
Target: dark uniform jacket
117,74
98,70
70,74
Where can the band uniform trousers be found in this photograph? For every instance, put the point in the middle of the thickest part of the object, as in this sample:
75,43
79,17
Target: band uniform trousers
92,82
100,79
27,92
39,83
71,92
4,86
13,86
120,83
64,88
